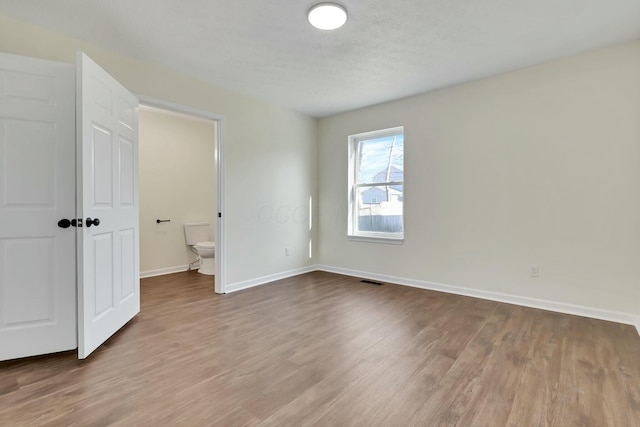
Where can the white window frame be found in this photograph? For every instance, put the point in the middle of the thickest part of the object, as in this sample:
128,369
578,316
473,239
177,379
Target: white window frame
352,232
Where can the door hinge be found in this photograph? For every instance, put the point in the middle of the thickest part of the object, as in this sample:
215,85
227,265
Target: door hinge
219,214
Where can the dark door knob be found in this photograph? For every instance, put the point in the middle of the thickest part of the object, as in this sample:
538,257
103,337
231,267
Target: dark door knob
89,222
64,223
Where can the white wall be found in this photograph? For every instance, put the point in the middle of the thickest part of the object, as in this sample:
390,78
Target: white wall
536,166
539,166
269,151
177,182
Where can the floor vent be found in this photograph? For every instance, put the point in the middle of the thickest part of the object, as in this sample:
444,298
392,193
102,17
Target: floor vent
371,282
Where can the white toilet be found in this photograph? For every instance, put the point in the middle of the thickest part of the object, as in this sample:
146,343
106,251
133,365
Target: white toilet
197,236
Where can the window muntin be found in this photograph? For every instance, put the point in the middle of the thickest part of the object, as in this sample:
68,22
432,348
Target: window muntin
376,184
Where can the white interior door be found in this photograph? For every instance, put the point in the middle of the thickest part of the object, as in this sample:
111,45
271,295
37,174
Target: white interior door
108,258
37,189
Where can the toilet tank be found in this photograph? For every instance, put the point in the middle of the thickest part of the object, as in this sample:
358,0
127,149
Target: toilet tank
196,232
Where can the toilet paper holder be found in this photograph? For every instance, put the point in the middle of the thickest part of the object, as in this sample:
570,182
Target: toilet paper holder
158,221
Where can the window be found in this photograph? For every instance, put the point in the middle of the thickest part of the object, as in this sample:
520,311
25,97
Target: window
376,185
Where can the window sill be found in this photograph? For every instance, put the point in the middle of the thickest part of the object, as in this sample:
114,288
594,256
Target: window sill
376,239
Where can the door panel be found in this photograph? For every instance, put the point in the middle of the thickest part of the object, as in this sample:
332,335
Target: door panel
30,300
30,173
37,189
127,251
109,289
127,169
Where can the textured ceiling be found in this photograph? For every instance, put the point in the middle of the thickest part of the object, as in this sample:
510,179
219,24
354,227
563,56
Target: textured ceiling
387,50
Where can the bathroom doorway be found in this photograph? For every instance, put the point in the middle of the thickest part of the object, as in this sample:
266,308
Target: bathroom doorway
180,182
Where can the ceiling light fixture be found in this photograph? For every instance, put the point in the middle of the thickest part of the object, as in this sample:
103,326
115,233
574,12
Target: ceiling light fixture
327,16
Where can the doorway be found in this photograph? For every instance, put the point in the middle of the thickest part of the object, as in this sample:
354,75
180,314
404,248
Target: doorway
186,168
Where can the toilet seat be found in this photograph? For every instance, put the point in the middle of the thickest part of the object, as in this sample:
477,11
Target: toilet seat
206,245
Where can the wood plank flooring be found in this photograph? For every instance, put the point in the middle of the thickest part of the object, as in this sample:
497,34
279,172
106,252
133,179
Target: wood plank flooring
326,350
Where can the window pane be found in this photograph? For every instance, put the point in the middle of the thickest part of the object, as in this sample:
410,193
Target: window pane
379,209
381,160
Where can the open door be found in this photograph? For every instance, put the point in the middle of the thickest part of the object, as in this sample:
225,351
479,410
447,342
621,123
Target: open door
108,242
37,191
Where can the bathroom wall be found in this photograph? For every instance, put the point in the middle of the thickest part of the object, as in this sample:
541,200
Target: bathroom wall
177,182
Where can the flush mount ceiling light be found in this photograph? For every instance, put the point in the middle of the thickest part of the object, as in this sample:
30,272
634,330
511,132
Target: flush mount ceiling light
327,16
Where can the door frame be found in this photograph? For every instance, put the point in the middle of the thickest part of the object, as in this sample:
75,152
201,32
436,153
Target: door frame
220,277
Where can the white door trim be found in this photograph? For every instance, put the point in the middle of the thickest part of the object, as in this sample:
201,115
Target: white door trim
220,278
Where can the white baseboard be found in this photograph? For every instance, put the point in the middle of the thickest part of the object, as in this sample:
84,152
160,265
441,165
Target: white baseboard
233,287
163,271
595,313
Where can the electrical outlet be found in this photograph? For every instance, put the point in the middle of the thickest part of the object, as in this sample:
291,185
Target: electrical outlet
535,271
287,252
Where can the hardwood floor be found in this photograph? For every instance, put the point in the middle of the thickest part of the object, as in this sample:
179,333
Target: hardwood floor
326,350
